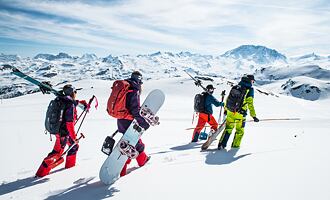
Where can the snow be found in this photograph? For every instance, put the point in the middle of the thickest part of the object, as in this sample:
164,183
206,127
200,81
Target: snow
277,159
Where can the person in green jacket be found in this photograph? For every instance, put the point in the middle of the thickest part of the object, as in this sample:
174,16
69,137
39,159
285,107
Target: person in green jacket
236,108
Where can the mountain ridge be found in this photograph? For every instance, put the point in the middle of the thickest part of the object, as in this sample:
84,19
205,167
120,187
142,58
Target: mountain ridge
66,68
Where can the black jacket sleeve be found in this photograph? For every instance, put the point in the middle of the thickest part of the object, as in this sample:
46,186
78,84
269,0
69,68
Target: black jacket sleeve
133,105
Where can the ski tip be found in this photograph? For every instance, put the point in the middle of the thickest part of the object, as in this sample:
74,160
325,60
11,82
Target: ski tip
6,66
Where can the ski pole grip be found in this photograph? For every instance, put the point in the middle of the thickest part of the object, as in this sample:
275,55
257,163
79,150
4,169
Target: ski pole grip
91,99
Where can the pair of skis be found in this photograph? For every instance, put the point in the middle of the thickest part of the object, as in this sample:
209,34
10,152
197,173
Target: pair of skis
45,87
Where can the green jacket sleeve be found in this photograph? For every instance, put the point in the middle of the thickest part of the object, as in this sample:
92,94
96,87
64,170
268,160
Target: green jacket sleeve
249,101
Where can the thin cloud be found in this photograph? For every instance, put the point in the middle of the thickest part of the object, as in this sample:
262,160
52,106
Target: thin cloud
187,25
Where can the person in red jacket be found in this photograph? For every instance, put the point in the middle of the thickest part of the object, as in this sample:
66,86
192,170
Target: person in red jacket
133,105
66,135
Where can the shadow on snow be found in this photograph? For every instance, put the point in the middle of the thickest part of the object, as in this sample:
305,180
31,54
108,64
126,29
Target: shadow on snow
183,147
215,157
189,146
6,188
85,190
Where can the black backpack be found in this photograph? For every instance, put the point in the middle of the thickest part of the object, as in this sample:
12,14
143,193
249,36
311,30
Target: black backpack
199,102
236,98
54,115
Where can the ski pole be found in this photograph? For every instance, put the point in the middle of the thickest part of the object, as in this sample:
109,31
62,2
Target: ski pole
81,134
270,119
275,119
75,142
223,93
80,116
59,159
86,110
89,103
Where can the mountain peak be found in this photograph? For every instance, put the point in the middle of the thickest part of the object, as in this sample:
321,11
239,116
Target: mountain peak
257,53
89,56
50,57
7,58
155,54
112,60
310,56
62,55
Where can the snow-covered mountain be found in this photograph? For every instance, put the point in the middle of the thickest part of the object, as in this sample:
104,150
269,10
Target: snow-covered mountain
259,54
88,57
311,56
9,58
53,57
269,66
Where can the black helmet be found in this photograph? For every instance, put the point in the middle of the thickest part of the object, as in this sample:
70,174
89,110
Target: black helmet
251,77
248,78
68,90
210,87
137,77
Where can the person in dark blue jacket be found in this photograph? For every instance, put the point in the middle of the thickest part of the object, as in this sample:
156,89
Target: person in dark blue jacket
206,116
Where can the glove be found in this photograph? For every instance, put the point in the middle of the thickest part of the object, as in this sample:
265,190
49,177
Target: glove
255,119
222,104
85,104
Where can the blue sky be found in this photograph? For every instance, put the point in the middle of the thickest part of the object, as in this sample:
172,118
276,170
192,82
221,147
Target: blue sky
117,27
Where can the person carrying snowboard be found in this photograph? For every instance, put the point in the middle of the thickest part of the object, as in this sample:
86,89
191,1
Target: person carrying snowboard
239,100
133,107
206,114
66,135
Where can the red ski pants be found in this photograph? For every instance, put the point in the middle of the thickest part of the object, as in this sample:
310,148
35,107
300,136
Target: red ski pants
55,155
141,159
202,120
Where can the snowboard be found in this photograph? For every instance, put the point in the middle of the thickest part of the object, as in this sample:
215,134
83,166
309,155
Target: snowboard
112,166
214,135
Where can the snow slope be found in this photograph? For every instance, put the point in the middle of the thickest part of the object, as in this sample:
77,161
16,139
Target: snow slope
277,160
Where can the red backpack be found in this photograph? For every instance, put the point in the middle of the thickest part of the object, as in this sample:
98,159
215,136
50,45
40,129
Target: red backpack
117,100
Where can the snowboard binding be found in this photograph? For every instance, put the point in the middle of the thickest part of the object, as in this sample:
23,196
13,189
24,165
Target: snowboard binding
147,114
127,149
